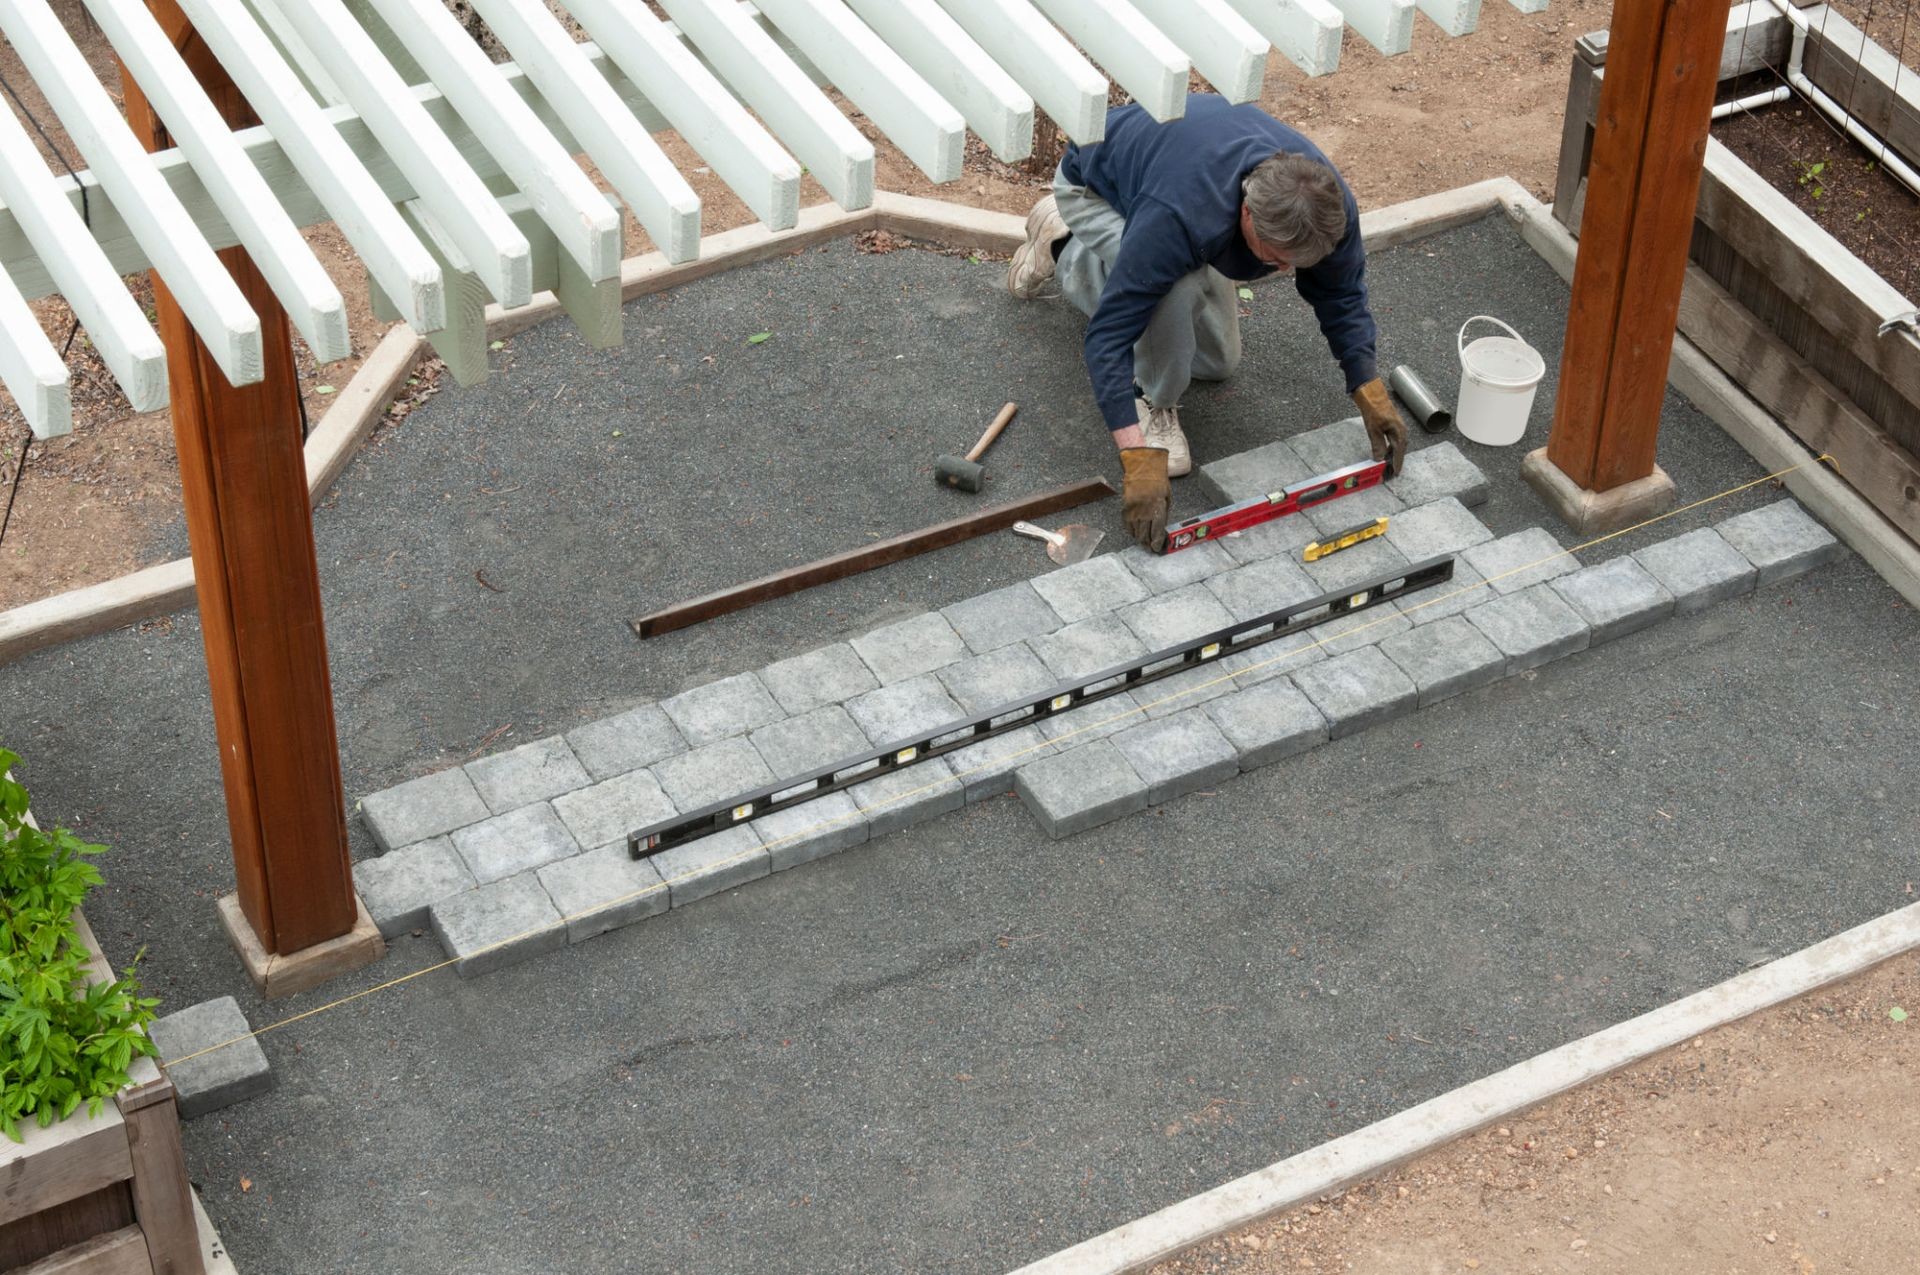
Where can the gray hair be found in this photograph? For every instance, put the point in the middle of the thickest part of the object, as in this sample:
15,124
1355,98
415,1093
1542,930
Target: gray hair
1296,205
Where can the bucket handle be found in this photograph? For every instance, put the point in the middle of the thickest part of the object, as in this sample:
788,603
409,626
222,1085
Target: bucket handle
1484,318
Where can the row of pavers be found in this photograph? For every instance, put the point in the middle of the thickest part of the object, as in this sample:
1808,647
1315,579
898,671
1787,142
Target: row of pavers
524,851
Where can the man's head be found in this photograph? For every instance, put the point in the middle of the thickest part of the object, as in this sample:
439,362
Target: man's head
1293,212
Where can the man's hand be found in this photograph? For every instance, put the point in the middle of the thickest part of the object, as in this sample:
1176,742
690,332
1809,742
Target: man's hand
1385,430
1145,496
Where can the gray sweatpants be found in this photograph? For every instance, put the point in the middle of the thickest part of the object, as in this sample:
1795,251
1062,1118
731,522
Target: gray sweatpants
1195,331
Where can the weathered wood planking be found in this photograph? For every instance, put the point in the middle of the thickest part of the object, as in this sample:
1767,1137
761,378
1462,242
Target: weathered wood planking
1866,79
936,46
62,1162
162,1196
116,1252
1041,61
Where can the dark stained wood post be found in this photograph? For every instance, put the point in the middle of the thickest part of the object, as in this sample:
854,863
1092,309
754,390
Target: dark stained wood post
244,484
1656,103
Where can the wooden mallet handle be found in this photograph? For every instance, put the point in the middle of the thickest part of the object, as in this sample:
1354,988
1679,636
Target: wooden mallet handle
993,431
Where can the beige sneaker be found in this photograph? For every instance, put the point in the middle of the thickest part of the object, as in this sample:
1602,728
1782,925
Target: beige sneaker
1162,428
1032,263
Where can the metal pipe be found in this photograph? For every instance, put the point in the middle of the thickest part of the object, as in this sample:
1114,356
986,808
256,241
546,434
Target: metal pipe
1425,406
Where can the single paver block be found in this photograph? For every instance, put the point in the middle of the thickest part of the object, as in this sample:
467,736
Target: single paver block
1273,659
1699,569
714,863
1445,658
986,769
626,741
1451,597
910,648
1263,587
515,842
1258,472
988,681
718,710
532,772
1443,527
1282,537
1349,568
1520,561
1165,572
901,798
1093,721
1357,690
1269,722
422,808
613,808
1179,754
1531,627
1089,588
1081,650
1356,629
399,886
905,710
826,676
804,744
603,889
1780,540
698,779
989,621
812,830
1081,788
498,924
1176,617
228,1073
1345,512
1333,446
1615,597
1436,472
1206,681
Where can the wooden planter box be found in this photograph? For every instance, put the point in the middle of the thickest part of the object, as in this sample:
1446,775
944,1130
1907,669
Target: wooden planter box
105,1194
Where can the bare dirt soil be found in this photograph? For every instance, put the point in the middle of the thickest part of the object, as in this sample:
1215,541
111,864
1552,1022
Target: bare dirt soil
1787,1143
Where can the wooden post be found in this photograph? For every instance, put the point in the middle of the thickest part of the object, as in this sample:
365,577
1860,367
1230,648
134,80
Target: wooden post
162,1199
250,524
1656,100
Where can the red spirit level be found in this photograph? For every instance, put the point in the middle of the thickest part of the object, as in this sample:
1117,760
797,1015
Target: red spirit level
1290,500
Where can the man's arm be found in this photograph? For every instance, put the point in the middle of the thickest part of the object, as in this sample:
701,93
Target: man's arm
1336,288
1155,253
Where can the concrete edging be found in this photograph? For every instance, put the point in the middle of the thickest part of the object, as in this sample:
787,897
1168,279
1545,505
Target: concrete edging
1381,1146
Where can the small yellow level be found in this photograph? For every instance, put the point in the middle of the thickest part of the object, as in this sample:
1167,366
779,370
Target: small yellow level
1351,536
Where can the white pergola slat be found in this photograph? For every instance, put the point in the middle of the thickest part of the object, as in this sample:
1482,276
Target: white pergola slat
1455,17
207,294
1223,45
1306,31
1385,24
30,368
1133,51
936,46
313,304
1041,60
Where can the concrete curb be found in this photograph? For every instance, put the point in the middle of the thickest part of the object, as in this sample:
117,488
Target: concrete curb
1373,1150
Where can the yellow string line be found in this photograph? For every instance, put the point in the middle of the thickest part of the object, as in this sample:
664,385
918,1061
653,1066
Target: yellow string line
958,776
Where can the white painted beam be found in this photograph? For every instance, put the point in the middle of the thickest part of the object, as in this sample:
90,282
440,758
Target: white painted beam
294,51
1223,45
1130,49
936,46
799,114
1529,6
207,294
1455,17
697,106
923,124
338,186
601,124
1385,24
1041,60
498,252
126,341
298,280
1307,31
31,369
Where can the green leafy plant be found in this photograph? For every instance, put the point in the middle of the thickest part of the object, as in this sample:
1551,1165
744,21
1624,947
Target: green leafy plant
1810,175
65,1038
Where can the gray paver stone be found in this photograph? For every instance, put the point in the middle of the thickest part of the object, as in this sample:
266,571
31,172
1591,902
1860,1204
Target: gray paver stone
1089,588
698,779
801,745
1282,537
712,864
910,648
1093,721
731,706
603,889
1165,572
1261,587
1350,567
812,830
1467,589
626,741
515,842
1178,755
1438,471
1182,691
1446,658
422,808
1520,561
1531,627
988,681
1081,650
532,772
399,886
989,621
498,924
1274,659
1445,526
1269,722
613,808
1356,629
1699,569
905,710
986,769
1258,472
1176,617
1615,597
1333,446
1081,788
901,798
1357,690
1780,540
826,676
1342,512
230,1074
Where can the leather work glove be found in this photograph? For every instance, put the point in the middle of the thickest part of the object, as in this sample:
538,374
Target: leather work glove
1145,496
1385,430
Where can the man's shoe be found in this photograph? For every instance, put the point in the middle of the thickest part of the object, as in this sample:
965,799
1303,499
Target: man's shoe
1162,428
1032,263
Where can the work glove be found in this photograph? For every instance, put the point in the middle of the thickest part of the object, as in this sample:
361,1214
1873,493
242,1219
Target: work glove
1145,496
1385,430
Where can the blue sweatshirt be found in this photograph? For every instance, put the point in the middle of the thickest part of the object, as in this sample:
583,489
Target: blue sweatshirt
1178,186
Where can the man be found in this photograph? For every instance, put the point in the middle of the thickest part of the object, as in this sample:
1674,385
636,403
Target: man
1147,232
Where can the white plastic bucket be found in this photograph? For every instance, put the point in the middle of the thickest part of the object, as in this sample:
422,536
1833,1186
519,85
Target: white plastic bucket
1498,375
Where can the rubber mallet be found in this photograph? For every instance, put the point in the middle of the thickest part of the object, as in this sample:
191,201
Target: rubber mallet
965,472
